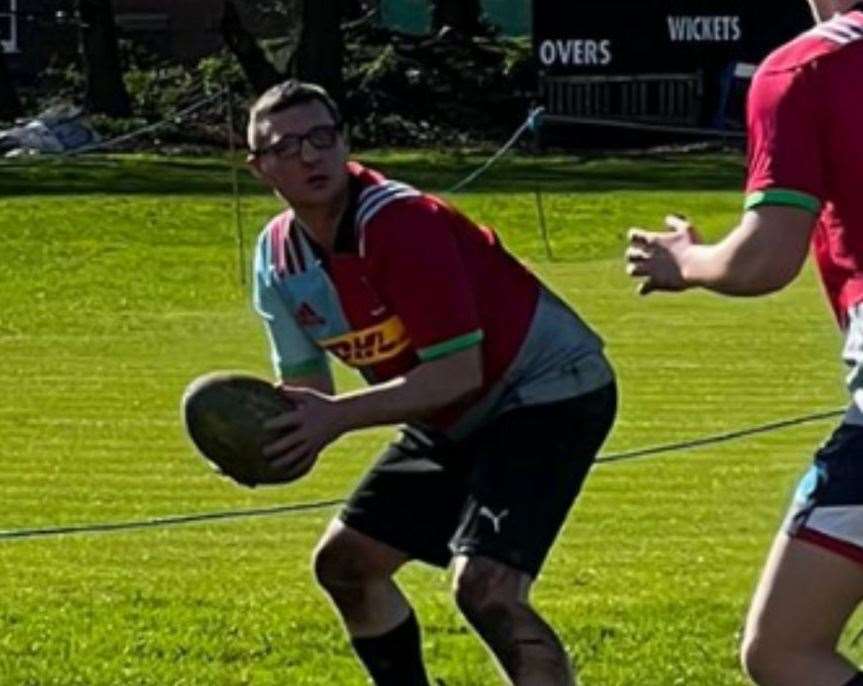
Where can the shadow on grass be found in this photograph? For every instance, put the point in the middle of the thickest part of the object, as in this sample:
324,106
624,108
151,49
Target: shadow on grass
121,175
432,171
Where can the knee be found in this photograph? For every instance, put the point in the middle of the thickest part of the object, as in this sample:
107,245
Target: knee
484,597
337,565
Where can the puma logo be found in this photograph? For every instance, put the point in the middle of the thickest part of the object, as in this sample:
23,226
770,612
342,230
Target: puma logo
495,519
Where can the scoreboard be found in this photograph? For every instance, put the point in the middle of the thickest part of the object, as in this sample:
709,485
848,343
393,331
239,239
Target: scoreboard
573,37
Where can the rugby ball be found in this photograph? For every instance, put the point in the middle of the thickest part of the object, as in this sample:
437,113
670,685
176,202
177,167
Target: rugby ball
224,415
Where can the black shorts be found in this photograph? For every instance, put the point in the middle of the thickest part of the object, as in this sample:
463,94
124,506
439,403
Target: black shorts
502,493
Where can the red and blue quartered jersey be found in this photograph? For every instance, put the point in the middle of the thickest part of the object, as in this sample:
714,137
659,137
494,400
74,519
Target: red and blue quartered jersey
805,123
421,281
413,280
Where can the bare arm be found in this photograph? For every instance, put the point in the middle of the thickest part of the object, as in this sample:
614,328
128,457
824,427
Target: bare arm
763,254
319,419
429,387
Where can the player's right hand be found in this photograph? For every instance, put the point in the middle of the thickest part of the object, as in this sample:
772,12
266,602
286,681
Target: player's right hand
658,257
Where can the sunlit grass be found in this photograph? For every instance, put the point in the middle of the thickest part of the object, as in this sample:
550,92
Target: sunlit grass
119,283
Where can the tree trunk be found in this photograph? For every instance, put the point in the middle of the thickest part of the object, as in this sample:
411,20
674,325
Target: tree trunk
106,92
463,16
10,105
320,54
259,71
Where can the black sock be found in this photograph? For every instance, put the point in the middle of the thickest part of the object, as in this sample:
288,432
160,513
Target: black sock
856,680
394,658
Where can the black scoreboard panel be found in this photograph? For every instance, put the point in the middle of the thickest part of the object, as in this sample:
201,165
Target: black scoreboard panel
659,36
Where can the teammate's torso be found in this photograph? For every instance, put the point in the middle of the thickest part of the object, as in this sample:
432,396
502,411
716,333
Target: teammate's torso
828,63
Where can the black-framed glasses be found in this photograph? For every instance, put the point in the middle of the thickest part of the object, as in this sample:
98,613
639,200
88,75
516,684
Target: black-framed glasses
290,145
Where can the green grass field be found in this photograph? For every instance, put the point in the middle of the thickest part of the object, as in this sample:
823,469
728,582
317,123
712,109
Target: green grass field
119,284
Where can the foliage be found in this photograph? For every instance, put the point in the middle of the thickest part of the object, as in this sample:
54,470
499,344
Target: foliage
448,89
159,90
400,90
61,82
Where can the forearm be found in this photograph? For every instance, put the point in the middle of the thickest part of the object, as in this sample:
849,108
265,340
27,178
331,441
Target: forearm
762,255
727,269
425,389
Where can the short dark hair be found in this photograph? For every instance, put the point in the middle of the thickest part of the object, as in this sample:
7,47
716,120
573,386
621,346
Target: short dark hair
288,94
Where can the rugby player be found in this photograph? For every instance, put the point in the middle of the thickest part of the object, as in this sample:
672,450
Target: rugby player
804,187
504,392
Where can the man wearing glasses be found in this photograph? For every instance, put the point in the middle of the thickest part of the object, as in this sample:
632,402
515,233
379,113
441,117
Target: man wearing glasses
504,393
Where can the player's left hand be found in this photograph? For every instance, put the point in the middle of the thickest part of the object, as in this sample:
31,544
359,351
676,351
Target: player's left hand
659,256
304,431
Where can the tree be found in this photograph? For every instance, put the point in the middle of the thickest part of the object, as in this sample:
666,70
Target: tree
320,53
463,16
106,92
309,31
259,71
10,105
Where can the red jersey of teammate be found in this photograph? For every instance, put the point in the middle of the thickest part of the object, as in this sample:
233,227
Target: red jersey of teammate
806,146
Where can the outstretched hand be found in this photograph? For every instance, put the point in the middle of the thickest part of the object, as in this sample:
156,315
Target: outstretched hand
657,257
302,432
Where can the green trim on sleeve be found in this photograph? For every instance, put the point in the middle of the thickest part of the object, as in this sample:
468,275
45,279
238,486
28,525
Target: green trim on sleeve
783,196
451,346
314,366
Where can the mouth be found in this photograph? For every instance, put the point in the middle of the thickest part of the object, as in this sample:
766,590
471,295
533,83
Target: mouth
317,180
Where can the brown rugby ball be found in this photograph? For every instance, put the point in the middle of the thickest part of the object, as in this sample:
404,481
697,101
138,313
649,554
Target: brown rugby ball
224,414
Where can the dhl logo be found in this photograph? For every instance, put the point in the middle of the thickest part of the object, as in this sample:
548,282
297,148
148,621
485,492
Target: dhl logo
370,346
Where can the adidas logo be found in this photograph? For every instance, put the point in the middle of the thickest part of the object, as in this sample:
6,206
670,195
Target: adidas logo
307,316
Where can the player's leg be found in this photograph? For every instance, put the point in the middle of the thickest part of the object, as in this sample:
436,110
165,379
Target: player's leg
813,579
494,599
356,572
405,508
530,467
805,597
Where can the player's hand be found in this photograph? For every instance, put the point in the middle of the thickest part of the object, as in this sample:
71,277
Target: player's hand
657,257
304,431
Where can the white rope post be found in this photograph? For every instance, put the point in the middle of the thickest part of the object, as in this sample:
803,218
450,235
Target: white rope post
235,184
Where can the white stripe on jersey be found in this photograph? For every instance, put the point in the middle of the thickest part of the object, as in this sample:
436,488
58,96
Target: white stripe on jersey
839,30
373,199
378,188
379,202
